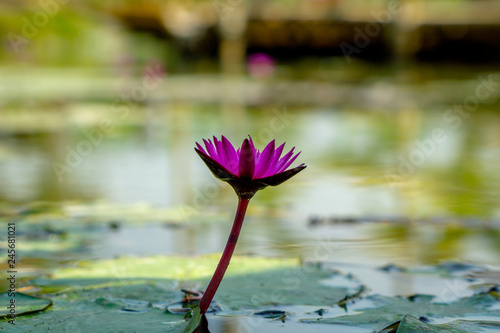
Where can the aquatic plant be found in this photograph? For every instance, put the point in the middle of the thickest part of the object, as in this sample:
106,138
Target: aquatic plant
247,170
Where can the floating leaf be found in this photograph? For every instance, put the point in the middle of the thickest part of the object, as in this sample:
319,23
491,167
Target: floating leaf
23,304
385,311
410,324
250,282
131,294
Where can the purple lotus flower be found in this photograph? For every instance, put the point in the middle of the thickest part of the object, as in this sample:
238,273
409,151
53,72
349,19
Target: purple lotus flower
247,169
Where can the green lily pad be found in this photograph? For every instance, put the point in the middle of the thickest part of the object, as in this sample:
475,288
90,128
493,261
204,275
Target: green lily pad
291,286
131,294
410,324
249,283
125,308
23,304
161,267
384,311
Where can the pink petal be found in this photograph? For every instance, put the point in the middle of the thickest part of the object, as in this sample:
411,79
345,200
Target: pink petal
247,160
220,153
283,160
211,150
256,152
230,154
264,160
287,164
201,148
274,161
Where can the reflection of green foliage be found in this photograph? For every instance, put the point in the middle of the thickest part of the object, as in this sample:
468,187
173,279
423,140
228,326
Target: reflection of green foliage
469,187
465,185
365,139
431,243
451,240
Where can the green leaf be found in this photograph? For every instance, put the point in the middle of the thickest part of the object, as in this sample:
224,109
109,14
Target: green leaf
194,321
22,303
410,324
131,294
384,311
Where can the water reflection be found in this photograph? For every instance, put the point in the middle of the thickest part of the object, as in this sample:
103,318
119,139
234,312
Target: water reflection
359,165
352,157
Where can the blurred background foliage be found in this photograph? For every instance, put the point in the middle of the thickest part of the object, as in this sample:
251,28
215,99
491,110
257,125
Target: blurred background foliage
89,32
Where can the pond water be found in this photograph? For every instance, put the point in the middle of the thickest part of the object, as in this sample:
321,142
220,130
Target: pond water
411,175
399,172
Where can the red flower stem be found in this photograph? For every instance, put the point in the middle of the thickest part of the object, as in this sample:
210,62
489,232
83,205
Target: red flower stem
226,255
